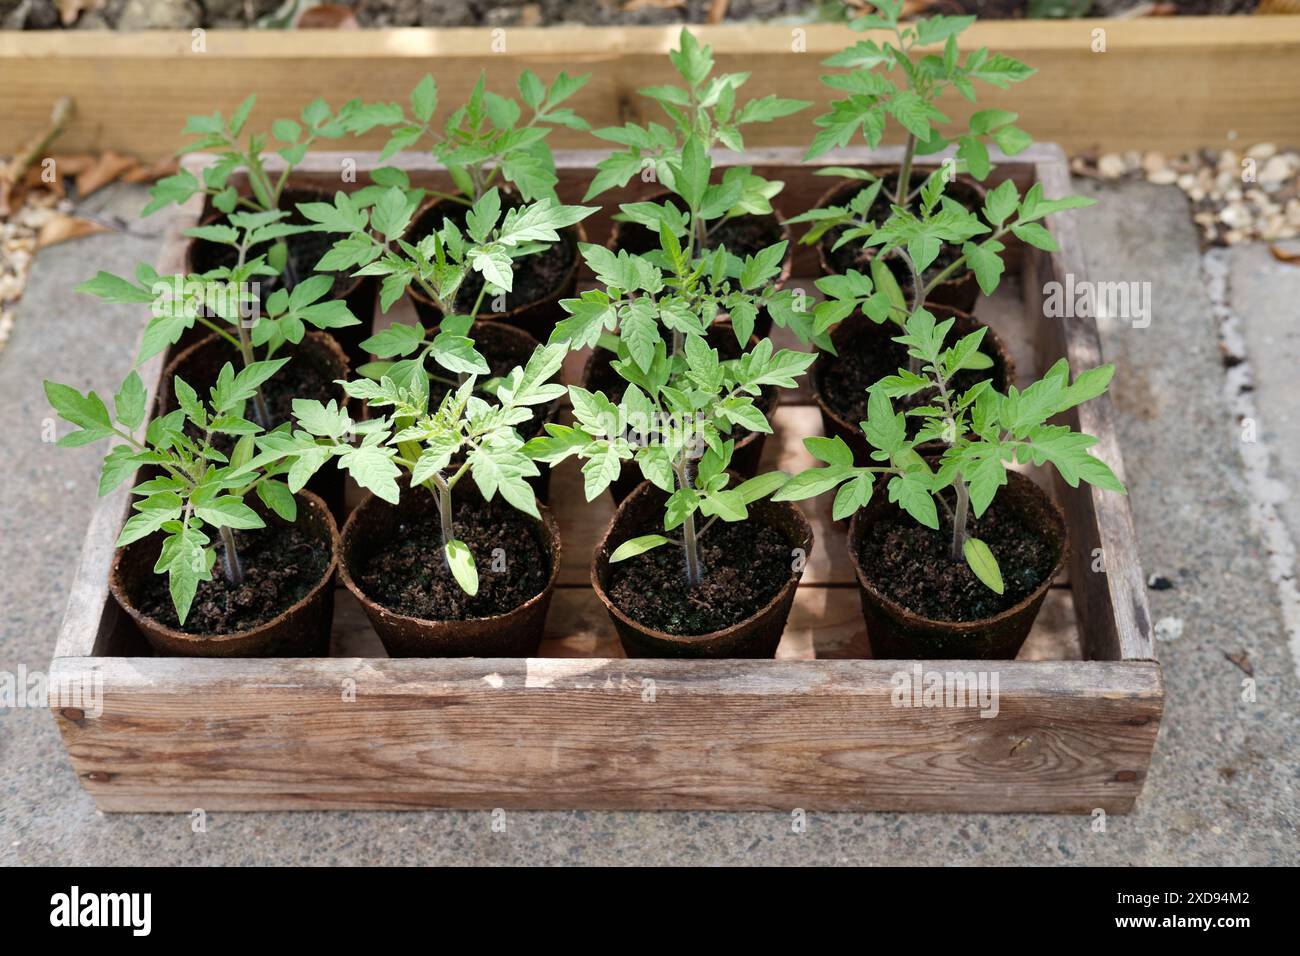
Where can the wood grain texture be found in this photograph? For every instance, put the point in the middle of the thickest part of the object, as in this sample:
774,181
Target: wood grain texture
815,728
1199,77
602,734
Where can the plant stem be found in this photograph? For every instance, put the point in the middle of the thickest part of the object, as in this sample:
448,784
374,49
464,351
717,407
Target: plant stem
959,518
444,510
690,543
230,558
905,171
246,349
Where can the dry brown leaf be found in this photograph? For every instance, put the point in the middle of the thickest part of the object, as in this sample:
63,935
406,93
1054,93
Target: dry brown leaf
64,228
328,16
69,10
1242,660
1285,255
152,172
106,169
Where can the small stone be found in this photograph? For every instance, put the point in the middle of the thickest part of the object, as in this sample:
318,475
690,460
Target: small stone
1261,151
1110,166
1162,177
159,15
1153,162
1158,582
1235,216
1187,182
1169,629
1276,170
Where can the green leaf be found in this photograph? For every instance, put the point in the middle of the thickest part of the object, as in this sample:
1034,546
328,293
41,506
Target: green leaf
852,496
693,178
833,451
761,486
635,546
277,496
424,99
229,511
460,560
1035,235
981,561
1001,202
129,402
812,482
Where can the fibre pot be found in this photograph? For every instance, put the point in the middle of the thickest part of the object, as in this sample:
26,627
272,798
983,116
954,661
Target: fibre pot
959,291
897,633
755,637
305,249
538,312
638,240
318,359
515,633
858,335
301,630
598,375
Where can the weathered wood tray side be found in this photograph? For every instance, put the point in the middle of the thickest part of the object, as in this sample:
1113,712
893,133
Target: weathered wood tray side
1076,716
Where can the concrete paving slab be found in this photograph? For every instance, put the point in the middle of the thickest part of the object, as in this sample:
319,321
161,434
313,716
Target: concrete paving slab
1222,786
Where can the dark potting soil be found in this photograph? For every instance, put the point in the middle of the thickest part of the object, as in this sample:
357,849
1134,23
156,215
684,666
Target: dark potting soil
866,360
408,575
301,378
911,564
745,564
743,236
305,250
853,255
281,564
536,277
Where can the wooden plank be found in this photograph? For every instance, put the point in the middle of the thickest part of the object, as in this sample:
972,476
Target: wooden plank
607,734
1200,77
1111,603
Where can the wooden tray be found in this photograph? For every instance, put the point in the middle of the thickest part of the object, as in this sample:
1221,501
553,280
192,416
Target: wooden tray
582,728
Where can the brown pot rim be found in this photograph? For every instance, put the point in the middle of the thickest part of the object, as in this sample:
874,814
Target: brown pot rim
861,320
144,622
216,216
576,230
787,261
598,353
318,338
373,607
603,550
844,185
892,607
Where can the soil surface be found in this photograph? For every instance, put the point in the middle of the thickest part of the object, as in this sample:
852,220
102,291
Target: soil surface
745,565
743,236
910,564
853,255
866,360
305,250
409,575
536,277
281,563
301,378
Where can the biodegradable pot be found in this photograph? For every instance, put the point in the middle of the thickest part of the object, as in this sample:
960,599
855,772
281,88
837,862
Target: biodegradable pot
537,317
516,633
638,240
959,291
749,446
358,292
200,364
894,632
858,332
755,637
301,630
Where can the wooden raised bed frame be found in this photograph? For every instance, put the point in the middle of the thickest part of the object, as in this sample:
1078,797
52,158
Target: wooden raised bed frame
1163,83
581,727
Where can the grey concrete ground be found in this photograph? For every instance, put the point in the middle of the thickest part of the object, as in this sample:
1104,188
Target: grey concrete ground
1223,783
